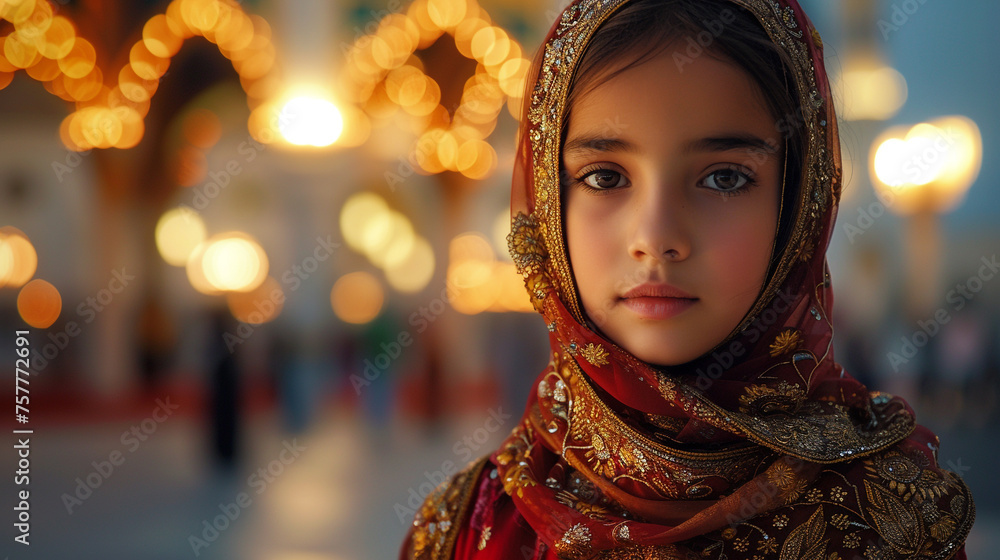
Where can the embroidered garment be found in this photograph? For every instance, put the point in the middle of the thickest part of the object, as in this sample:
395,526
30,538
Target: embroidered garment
763,448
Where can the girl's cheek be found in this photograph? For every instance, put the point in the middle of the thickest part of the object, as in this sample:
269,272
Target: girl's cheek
744,247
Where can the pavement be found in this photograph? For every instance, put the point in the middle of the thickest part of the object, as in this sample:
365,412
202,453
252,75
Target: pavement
341,490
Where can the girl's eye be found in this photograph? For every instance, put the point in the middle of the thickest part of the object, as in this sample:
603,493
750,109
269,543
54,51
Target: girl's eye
603,179
727,180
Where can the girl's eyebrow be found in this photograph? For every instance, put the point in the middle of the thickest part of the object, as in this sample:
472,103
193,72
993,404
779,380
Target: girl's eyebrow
599,144
709,144
732,142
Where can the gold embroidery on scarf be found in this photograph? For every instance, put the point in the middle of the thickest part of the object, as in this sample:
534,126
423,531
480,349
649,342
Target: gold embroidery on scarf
484,537
517,448
595,354
527,248
820,432
615,450
786,342
436,524
670,552
901,507
593,511
761,400
575,543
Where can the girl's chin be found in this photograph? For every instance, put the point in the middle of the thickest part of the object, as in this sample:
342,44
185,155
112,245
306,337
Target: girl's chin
660,356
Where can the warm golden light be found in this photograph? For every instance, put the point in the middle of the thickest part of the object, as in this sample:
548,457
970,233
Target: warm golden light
471,263
413,274
310,121
80,60
234,262
6,262
357,297
358,211
16,11
872,93
18,259
928,167
48,48
159,38
394,247
260,305
501,228
513,296
178,232
446,14
512,76
195,270
58,39
39,303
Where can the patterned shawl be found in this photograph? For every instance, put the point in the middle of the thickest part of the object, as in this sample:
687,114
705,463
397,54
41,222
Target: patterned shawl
763,448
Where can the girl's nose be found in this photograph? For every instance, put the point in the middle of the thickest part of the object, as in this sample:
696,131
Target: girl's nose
660,229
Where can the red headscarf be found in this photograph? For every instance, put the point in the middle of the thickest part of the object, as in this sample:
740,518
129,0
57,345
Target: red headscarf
763,448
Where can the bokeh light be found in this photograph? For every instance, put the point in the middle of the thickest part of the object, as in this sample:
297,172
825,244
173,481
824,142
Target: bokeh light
358,211
357,297
234,261
178,232
928,167
18,258
260,305
413,273
310,121
39,303
49,48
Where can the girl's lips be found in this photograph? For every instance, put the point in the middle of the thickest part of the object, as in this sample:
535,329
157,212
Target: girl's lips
649,307
650,289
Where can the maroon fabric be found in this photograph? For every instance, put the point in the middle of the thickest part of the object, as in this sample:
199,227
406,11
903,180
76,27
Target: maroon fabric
821,467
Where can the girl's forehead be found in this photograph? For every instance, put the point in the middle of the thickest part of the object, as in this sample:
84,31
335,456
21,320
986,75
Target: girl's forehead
658,98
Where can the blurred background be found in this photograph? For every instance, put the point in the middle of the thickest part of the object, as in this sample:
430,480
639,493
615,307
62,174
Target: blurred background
257,250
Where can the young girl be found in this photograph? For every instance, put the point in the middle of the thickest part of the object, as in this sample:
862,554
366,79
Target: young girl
673,198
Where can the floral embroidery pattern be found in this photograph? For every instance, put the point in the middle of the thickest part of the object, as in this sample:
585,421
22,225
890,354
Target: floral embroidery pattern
484,537
527,248
434,521
575,543
595,354
762,400
539,287
786,342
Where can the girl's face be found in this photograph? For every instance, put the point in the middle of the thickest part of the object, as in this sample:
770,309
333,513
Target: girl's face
672,180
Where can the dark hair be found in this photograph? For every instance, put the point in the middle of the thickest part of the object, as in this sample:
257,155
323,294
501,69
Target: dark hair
643,29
